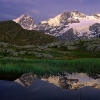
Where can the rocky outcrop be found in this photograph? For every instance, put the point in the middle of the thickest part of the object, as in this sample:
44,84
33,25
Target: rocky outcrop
91,48
72,47
26,21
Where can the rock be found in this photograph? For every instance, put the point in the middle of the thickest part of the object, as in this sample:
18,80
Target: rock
10,50
37,54
22,52
4,44
97,49
91,48
14,53
47,55
29,52
72,47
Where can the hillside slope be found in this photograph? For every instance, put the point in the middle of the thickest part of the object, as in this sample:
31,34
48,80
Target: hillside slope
11,32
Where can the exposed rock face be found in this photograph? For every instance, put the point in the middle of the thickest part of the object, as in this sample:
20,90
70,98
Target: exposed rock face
68,17
95,29
83,26
69,35
26,79
98,48
78,14
97,15
72,47
91,48
26,21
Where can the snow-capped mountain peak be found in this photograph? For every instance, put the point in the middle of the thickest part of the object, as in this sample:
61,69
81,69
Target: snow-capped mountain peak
77,14
26,21
52,21
67,25
62,19
96,15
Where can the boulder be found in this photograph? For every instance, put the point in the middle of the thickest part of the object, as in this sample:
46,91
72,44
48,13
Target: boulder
72,47
97,49
91,48
22,52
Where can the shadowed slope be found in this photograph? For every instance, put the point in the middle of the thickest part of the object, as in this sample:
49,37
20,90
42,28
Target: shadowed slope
13,33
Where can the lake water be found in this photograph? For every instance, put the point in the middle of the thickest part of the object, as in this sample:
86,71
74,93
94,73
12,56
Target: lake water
42,90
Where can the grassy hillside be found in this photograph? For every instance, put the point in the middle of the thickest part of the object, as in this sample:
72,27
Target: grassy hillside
11,32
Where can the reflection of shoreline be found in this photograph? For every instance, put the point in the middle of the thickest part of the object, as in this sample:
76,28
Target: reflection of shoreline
69,81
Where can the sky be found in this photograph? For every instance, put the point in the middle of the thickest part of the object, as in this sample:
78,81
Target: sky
43,9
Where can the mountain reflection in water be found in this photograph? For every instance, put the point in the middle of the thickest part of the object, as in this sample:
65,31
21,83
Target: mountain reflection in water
68,81
42,89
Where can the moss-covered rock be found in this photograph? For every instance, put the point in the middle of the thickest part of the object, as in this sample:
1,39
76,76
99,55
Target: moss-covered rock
91,48
72,47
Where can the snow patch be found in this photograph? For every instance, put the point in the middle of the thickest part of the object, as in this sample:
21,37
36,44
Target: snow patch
18,19
53,21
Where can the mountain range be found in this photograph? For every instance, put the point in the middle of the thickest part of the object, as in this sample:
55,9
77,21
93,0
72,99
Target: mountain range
69,25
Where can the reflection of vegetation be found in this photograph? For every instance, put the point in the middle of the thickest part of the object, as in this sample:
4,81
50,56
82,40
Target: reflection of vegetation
40,67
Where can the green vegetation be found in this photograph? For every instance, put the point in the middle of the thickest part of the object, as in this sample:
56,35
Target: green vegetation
18,42
42,67
56,50
23,51
11,32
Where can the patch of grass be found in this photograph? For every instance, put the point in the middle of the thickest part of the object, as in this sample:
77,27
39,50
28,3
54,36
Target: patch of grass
41,67
81,54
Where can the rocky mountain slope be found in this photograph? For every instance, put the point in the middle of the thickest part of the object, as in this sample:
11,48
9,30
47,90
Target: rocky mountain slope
26,21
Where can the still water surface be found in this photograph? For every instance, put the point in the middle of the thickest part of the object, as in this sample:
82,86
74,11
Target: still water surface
41,90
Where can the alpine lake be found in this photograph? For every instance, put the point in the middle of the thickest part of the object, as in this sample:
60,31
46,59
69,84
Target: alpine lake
75,86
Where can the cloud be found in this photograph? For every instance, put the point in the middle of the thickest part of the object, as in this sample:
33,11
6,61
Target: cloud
32,10
35,11
31,2
81,1
52,15
8,16
74,1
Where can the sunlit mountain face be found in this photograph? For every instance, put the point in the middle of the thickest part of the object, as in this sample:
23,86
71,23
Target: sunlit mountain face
65,26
